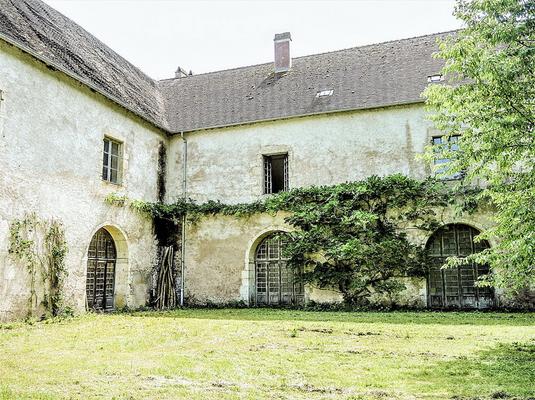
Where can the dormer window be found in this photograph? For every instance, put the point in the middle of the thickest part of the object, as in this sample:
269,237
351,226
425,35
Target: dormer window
435,78
324,93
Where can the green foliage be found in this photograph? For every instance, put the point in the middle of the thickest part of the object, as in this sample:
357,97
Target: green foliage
114,199
40,246
351,236
55,248
354,236
22,247
494,112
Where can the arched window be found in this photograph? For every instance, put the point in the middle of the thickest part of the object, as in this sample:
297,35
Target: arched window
275,283
100,281
455,287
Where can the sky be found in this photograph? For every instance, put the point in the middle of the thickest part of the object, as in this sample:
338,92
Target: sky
157,36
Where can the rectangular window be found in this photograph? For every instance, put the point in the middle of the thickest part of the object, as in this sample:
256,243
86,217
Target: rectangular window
112,162
275,173
443,144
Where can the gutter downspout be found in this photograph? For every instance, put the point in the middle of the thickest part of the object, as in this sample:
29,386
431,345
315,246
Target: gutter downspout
183,238
2,116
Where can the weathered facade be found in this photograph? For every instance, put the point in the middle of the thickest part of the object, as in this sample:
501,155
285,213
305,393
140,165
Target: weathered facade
322,150
49,122
78,123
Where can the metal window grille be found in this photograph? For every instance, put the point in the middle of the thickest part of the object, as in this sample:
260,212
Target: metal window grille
456,287
100,280
268,183
112,161
275,282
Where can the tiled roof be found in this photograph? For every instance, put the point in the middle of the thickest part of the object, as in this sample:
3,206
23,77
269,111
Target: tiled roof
47,34
377,75
370,76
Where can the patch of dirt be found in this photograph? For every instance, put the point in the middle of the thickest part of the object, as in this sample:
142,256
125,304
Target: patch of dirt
357,333
160,381
319,330
308,388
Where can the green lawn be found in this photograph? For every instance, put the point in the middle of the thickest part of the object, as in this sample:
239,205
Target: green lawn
271,354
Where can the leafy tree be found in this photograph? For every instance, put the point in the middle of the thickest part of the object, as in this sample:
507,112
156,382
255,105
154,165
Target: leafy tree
489,99
352,236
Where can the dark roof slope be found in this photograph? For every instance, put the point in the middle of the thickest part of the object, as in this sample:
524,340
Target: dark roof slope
52,37
370,76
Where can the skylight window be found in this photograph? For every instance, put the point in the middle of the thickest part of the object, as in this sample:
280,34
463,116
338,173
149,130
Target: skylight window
324,93
435,78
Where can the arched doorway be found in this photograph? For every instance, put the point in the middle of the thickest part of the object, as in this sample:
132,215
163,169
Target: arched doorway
455,287
101,263
275,282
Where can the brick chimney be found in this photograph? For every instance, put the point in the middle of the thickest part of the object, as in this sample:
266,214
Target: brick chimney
283,61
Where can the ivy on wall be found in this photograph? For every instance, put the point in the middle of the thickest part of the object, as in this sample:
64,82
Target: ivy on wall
351,236
40,246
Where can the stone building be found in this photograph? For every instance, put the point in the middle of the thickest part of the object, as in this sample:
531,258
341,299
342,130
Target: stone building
78,123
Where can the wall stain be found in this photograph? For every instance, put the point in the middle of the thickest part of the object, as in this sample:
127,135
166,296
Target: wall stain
409,149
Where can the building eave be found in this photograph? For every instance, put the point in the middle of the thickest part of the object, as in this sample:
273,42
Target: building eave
251,122
81,80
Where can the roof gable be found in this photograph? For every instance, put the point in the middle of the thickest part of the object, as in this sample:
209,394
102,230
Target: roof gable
50,36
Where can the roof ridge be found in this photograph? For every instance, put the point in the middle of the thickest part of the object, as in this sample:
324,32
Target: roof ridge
313,55
48,7
379,43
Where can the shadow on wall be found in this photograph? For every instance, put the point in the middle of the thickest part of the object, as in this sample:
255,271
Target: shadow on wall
504,371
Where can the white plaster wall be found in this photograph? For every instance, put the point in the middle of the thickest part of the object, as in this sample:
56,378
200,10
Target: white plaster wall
50,163
226,164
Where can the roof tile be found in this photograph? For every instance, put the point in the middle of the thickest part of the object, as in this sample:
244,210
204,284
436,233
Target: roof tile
369,76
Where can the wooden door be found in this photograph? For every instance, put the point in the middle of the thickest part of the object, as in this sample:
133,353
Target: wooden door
100,281
456,287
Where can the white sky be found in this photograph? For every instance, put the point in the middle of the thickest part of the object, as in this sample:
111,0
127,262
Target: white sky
159,35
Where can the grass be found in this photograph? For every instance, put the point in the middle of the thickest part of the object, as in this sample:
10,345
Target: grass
271,354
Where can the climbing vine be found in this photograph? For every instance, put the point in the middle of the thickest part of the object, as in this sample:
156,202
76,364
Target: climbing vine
351,236
40,246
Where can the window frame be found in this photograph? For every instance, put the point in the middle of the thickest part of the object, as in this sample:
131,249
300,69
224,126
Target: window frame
267,170
107,158
441,161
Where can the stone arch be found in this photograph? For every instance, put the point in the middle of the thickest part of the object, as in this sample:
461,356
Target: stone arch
455,287
121,267
246,289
